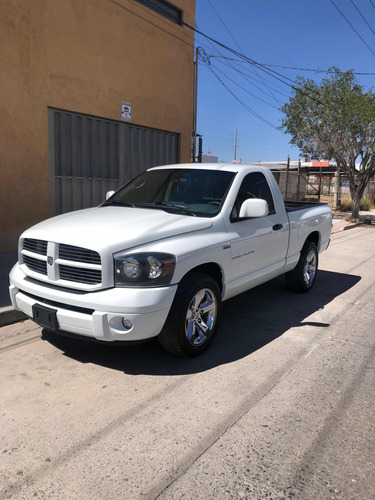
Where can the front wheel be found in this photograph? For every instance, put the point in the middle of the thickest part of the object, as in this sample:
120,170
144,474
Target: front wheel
303,276
194,316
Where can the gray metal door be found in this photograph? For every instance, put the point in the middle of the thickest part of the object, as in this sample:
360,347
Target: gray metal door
90,156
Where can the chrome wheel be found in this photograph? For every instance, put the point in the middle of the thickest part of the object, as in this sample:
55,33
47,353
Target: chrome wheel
309,268
201,317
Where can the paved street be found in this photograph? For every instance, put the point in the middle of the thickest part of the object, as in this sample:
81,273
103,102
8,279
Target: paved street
281,406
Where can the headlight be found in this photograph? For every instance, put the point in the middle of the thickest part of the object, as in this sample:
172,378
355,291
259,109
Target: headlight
144,269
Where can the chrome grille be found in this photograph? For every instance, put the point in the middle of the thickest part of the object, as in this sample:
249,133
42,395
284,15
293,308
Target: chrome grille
35,246
78,254
79,275
36,265
61,262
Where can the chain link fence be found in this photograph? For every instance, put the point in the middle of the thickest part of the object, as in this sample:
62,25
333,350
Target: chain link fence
302,184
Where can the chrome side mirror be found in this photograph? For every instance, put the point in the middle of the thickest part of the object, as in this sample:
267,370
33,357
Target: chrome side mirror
109,194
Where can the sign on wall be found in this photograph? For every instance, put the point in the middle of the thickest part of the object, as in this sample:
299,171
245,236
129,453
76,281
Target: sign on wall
126,111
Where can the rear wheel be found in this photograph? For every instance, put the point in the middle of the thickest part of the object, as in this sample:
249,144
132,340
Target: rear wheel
194,316
302,277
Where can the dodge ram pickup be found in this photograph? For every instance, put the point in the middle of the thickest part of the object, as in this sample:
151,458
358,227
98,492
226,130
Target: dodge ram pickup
159,256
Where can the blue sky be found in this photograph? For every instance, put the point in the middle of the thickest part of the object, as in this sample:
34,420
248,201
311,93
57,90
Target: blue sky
309,34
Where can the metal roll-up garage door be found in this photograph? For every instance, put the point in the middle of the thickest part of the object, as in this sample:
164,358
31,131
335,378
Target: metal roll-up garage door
90,156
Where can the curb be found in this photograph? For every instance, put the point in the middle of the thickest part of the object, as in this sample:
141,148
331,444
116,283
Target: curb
8,316
351,226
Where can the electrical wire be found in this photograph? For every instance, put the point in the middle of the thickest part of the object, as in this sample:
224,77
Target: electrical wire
313,70
274,74
350,24
244,105
363,17
246,76
242,88
242,52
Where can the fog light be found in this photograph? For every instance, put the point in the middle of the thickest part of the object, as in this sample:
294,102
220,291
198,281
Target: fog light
128,325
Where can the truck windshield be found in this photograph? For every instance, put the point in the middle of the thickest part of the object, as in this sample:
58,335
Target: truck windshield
194,191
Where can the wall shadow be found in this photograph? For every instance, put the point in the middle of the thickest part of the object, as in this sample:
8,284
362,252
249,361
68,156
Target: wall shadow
250,321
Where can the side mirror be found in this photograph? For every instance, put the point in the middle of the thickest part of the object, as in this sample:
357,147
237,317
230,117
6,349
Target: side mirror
254,207
109,194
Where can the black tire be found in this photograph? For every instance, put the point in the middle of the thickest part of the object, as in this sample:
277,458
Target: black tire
303,276
194,316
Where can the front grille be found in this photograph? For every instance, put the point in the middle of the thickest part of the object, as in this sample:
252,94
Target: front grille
36,265
78,265
35,246
78,254
79,275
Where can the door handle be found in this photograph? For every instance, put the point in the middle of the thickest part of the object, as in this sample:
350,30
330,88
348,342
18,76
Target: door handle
276,227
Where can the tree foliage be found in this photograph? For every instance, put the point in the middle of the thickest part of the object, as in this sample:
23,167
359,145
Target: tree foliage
335,120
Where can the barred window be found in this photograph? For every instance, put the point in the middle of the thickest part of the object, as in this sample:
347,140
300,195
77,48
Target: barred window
164,9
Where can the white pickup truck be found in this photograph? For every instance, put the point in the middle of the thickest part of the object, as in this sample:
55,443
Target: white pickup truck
159,256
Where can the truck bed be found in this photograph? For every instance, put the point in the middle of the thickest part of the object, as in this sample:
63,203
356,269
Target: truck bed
292,206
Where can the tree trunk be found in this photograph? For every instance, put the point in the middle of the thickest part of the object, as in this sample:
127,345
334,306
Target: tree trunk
355,204
356,193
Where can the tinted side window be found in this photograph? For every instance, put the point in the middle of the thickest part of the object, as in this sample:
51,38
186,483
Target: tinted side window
254,185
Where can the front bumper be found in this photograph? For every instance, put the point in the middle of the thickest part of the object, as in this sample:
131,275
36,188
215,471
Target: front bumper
96,314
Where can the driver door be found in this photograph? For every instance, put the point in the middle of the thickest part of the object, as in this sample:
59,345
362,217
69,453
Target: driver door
258,245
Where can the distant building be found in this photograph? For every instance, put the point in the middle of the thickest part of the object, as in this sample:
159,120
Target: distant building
210,159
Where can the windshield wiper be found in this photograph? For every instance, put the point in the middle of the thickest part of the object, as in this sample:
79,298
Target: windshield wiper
177,207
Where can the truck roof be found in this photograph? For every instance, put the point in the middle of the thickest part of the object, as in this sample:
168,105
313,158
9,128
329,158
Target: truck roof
229,167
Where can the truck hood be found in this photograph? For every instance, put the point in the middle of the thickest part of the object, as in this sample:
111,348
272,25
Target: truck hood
114,228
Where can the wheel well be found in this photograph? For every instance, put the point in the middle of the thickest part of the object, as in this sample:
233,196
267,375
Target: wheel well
210,269
314,237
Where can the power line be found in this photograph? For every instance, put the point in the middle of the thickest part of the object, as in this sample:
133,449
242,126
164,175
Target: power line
222,22
246,76
242,52
244,105
350,24
245,90
248,59
363,17
293,85
313,70
372,4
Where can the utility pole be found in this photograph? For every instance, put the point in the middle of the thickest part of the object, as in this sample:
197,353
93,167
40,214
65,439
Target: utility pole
287,178
299,179
337,201
235,144
194,141
200,151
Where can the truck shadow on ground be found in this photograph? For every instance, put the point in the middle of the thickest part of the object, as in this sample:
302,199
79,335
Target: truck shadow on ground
250,321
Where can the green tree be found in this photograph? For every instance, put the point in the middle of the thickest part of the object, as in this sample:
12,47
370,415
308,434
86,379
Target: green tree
335,120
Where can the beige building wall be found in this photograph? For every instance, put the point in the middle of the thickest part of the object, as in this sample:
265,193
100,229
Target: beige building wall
84,56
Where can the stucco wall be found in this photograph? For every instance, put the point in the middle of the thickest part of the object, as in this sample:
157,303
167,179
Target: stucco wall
85,56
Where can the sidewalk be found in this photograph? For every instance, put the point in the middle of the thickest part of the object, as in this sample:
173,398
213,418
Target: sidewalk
8,315
340,224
